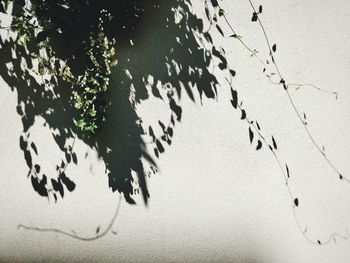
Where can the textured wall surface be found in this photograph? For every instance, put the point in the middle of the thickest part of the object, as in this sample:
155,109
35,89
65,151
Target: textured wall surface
215,198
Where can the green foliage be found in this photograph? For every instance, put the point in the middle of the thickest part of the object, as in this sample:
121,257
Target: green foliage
35,23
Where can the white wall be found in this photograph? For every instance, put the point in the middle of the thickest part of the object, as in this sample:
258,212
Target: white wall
215,198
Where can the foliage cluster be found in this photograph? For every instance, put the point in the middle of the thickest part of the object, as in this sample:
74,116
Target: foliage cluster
47,24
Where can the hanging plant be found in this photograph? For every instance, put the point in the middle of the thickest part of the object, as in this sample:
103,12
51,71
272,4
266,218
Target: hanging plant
70,40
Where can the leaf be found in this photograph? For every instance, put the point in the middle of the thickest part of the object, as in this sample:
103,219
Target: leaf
296,202
257,125
151,133
221,12
234,100
214,3
244,115
251,135
287,171
260,9
232,72
236,36
160,146
274,143
57,186
68,157
255,17
156,152
258,147
81,123
274,48
98,229
170,131
68,182
220,30
34,148
37,168
161,124
22,143
74,157
176,109
207,13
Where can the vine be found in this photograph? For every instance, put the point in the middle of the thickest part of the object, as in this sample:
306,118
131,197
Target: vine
254,127
82,77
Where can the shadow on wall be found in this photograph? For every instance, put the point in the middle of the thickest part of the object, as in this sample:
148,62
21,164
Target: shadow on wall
156,40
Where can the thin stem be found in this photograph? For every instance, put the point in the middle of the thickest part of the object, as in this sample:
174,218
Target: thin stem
75,236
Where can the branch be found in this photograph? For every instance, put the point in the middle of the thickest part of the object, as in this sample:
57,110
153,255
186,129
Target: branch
75,236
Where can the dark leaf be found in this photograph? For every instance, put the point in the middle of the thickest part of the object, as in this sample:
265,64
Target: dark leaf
232,72
251,135
22,143
74,157
68,157
244,115
207,13
160,146
69,183
258,147
287,171
214,3
254,17
39,186
208,37
274,143
274,48
257,125
176,109
156,92
151,133
296,202
220,30
37,168
260,9
28,158
161,124
34,148
219,55
97,229
234,100
170,131
156,152
57,186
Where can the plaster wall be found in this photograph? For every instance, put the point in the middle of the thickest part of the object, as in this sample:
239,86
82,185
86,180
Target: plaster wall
215,198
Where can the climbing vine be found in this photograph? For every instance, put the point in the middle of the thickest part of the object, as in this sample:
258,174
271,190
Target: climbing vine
77,80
